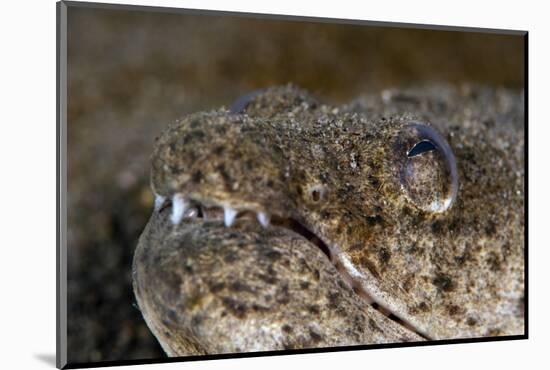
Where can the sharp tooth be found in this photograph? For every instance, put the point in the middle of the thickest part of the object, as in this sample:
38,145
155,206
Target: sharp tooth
179,206
263,218
229,215
191,212
159,201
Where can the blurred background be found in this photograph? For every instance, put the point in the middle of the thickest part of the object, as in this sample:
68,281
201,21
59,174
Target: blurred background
131,73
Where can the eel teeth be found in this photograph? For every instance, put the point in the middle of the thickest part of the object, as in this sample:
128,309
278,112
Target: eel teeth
179,206
159,201
229,215
263,218
191,212
204,213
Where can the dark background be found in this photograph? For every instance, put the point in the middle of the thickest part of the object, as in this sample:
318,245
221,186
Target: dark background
131,73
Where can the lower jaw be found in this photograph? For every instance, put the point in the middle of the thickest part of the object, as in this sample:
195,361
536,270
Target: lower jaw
335,256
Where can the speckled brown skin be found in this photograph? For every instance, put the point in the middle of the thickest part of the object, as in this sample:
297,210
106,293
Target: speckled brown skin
204,288
337,171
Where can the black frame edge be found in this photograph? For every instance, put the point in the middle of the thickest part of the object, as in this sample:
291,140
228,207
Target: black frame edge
526,184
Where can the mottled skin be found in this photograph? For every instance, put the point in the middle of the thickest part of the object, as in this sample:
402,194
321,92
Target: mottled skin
207,288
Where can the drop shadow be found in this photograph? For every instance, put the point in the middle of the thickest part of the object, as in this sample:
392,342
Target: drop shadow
48,358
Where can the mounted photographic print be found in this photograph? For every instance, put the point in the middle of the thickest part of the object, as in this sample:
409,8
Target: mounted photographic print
236,184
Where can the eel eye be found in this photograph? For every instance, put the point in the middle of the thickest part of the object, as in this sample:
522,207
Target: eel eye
422,147
427,168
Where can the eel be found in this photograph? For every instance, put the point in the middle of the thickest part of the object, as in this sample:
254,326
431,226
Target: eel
286,223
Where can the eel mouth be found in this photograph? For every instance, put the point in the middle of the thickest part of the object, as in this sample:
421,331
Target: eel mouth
182,207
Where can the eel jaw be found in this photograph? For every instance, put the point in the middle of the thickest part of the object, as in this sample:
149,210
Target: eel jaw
184,207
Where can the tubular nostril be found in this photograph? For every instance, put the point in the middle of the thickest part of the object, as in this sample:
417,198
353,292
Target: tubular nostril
315,195
239,106
318,193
